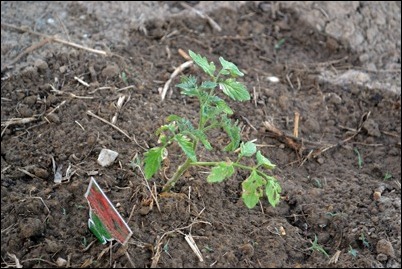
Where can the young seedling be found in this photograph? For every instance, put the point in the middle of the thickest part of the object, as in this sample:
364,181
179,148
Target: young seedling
353,252
364,240
214,115
359,158
279,44
316,247
387,176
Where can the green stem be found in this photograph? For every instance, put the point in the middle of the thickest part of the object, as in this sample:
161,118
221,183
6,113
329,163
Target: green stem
179,172
241,166
215,163
183,168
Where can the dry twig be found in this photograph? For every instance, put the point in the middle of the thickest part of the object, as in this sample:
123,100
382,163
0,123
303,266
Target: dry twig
55,39
90,113
213,23
296,125
157,248
314,149
172,76
17,262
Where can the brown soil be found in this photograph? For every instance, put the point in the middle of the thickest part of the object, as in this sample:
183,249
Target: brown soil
326,192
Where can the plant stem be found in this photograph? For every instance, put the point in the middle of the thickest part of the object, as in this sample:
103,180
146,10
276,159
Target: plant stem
215,163
179,172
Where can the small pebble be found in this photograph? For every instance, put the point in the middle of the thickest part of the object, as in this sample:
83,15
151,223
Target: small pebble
377,195
52,117
110,71
41,65
247,251
40,172
320,160
61,262
144,210
107,157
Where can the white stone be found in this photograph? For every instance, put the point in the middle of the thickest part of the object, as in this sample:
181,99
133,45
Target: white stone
107,157
61,262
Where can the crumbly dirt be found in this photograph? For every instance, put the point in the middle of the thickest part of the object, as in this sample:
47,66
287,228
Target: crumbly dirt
341,177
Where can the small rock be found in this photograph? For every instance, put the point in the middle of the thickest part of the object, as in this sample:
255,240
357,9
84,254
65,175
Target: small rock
273,79
41,65
385,247
52,246
320,160
61,262
107,157
332,44
144,210
51,99
364,57
52,117
376,195
91,139
30,100
110,71
247,251
317,191
40,172
63,69
371,127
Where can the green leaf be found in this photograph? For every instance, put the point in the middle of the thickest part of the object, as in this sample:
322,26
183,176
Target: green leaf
273,191
225,72
235,90
248,149
221,105
184,124
153,159
173,117
231,67
233,132
220,172
124,77
163,139
252,189
188,85
202,62
208,85
261,160
203,138
171,127
187,146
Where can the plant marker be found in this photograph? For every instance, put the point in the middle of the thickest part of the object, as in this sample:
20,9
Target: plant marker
104,220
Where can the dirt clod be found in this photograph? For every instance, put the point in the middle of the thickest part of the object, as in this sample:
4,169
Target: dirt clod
31,227
385,247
